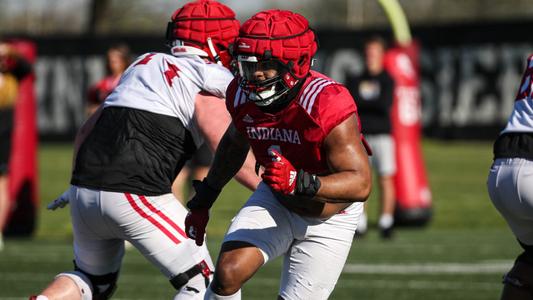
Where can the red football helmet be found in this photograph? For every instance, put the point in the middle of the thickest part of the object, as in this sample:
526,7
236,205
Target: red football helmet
204,28
274,40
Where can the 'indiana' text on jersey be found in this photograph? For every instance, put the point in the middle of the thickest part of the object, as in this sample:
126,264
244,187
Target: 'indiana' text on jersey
273,134
299,130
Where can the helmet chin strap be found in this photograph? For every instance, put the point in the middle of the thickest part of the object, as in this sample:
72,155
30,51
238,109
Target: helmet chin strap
214,53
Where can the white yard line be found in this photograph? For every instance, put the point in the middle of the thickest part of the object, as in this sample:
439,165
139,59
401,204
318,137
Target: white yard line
430,268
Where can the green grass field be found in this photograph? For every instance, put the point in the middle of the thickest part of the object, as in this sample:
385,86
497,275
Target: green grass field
461,254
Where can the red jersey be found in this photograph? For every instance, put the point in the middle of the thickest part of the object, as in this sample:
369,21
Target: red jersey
299,130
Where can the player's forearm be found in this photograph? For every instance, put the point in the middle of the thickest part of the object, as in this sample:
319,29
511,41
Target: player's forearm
343,187
247,175
229,158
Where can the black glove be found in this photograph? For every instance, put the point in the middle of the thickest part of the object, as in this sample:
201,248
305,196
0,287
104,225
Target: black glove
198,216
205,195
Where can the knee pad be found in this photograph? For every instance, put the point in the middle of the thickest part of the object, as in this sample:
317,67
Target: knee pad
83,283
103,286
181,279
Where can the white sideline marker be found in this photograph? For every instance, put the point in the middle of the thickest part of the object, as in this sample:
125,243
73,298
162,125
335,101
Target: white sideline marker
430,268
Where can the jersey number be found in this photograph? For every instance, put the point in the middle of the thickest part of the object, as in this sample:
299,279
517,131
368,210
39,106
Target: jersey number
170,73
145,60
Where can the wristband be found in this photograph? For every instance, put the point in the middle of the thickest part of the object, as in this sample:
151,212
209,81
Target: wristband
307,184
205,195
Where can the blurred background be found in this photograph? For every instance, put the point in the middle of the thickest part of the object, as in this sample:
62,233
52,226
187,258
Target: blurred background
470,57
471,50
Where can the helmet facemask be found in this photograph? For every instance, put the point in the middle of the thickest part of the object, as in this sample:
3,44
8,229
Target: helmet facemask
263,80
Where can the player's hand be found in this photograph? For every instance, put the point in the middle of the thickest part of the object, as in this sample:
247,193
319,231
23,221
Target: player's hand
279,174
199,205
195,224
60,202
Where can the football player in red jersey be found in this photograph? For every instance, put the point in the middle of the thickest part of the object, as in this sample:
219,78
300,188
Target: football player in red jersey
130,150
304,131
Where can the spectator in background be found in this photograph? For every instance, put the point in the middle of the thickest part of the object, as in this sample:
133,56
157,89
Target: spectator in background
118,58
510,186
373,92
13,67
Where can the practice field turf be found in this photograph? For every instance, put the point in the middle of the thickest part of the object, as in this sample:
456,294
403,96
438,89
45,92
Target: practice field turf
461,254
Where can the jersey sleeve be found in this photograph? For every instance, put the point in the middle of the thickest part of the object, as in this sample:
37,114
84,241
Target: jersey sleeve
525,84
336,104
217,79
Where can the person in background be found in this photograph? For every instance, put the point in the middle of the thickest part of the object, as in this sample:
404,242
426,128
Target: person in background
510,186
373,92
13,68
118,58
128,153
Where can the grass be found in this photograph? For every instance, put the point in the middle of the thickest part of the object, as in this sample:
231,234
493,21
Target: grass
461,254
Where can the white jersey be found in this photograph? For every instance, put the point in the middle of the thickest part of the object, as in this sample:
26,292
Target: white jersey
521,119
167,85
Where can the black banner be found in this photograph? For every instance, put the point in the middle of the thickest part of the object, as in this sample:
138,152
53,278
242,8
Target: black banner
470,74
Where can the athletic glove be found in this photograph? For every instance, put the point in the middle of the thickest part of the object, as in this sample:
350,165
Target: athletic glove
199,205
279,174
282,177
60,202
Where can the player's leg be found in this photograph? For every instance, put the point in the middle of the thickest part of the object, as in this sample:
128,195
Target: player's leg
67,288
97,250
313,265
388,203
385,165
261,231
237,263
518,282
512,194
80,285
154,225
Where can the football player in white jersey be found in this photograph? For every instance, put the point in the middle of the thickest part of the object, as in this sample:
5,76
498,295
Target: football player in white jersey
510,186
130,151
